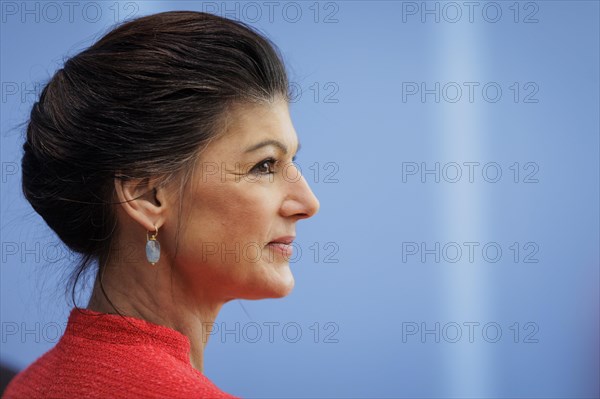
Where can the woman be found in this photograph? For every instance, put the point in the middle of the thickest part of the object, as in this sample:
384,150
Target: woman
164,155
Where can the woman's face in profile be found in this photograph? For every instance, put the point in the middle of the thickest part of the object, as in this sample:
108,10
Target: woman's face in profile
245,193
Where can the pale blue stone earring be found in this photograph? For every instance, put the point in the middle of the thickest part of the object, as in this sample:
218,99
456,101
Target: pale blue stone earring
152,247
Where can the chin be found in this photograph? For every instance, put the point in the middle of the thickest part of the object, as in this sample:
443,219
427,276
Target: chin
285,289
284,284
275,288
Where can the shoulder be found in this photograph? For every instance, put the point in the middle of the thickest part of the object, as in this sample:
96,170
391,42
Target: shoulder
76,368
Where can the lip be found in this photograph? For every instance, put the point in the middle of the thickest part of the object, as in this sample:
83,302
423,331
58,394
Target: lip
287,250
287,240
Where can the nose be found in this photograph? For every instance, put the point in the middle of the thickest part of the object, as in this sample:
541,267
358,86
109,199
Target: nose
300,201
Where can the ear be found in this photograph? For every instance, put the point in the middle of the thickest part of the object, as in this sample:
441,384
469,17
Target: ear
143,201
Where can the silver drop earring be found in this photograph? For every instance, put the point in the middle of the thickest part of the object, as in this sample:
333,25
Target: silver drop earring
152,247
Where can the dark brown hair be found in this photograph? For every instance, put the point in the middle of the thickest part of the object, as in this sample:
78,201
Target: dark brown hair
142,102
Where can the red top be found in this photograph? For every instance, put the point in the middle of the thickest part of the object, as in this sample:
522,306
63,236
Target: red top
103,355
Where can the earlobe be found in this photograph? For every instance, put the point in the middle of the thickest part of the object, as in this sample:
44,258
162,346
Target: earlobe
140,200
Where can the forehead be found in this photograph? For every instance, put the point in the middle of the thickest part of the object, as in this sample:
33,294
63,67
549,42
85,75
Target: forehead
248,124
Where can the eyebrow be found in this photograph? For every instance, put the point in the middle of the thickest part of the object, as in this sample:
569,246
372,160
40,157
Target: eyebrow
271,142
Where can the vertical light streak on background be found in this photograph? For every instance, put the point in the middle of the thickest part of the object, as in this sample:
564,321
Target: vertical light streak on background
463,207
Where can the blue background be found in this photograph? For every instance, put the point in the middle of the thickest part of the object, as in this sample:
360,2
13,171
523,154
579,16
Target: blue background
378,313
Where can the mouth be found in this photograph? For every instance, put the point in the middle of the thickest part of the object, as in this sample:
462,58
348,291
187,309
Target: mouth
287,240
283,245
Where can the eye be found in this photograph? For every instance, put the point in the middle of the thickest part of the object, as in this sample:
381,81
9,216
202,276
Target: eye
264,167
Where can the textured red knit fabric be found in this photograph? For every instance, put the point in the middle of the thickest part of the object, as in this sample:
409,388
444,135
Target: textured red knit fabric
102,355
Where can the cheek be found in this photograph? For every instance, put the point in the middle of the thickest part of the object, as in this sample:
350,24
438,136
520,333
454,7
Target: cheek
226,219
236,214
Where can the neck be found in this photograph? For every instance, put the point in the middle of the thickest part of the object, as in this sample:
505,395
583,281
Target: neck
159,300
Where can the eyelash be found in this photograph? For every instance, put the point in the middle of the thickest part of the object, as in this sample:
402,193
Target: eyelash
270,161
